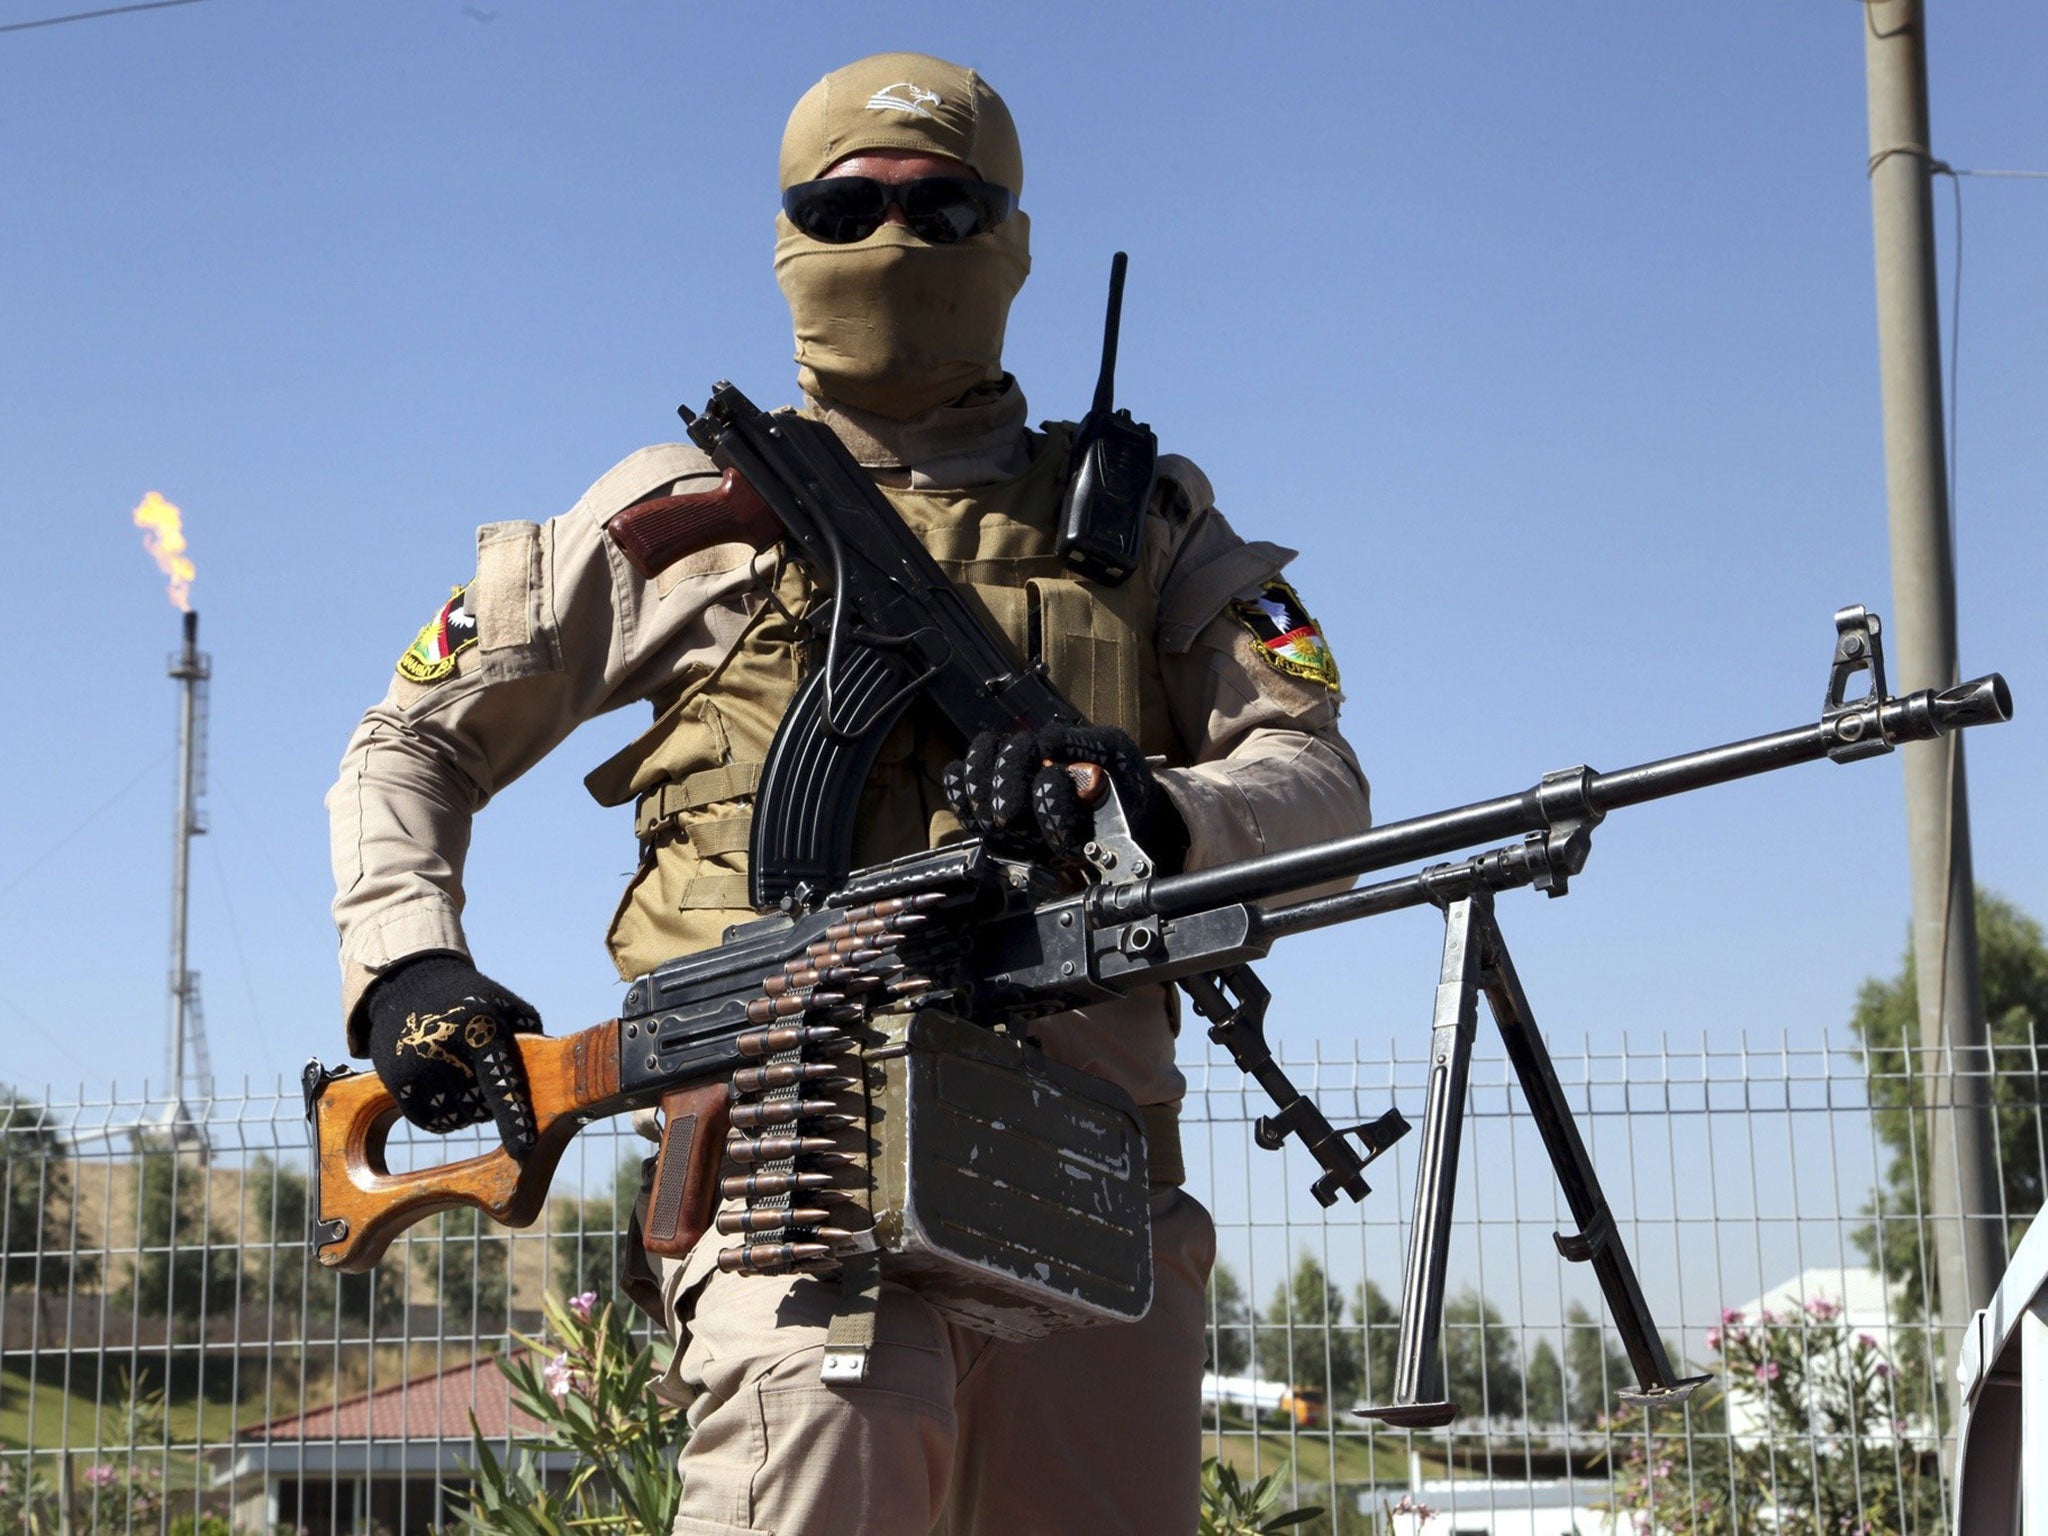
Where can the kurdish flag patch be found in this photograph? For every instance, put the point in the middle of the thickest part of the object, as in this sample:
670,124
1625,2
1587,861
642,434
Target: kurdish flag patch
431,656
1288,638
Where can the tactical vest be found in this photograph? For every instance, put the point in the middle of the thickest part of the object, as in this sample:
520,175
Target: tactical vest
694,771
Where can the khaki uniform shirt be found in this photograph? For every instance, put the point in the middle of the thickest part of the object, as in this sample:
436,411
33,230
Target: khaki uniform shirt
566,630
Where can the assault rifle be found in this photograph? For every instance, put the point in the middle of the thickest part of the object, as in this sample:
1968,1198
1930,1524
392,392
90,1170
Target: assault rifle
897,629
721,1040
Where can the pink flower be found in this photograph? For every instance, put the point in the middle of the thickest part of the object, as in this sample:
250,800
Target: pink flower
1883,1370
1767,1370
1713,1338
584,1304
559,1377
1730,1315
100,1475
1821,1310
1411,1505
1865,1341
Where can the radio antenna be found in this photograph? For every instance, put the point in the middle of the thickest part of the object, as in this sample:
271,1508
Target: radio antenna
1105,383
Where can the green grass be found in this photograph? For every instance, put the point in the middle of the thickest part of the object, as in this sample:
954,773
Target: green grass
1320,1457
55,1417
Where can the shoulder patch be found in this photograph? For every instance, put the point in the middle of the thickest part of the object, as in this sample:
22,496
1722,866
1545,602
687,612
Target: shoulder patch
431,656
1289,639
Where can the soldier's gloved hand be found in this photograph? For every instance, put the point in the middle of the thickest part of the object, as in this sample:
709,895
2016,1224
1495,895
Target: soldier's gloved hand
441,1038
1014,787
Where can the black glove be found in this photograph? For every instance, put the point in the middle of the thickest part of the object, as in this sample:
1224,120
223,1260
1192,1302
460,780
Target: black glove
1014,789
441,1038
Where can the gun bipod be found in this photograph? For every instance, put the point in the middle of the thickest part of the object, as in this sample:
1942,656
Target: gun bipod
1476,962
1234,1002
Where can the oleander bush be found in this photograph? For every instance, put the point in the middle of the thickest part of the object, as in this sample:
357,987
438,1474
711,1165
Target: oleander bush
591,1386
1806,1431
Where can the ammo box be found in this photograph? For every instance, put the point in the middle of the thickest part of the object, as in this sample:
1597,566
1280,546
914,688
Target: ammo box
1009,1191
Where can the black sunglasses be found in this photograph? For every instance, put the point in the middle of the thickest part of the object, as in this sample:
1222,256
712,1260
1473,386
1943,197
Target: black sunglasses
939,209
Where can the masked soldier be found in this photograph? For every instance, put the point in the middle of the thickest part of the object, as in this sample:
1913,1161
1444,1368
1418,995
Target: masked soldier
1214,708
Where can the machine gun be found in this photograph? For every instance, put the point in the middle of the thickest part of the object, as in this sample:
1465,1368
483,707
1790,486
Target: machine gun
765,1051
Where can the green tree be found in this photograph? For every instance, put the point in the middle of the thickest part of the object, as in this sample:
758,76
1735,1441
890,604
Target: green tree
188,1266
2013,963
472,1273
1543,1385
1596,1366
1230,1322
1302,1339
283,1276
1482,1367
37,1250
1380,1321
588,1250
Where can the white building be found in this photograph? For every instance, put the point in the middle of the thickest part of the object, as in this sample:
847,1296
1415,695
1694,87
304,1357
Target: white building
1866,1307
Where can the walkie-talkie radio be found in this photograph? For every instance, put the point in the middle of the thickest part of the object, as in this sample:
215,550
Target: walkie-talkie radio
1102,522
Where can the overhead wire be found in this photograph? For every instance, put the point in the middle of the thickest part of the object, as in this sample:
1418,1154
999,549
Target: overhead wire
1953,745
92,816
1955,337
48,1035
1953,403
227,902
1955,175
111,10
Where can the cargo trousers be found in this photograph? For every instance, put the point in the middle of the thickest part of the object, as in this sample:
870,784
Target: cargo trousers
954,1432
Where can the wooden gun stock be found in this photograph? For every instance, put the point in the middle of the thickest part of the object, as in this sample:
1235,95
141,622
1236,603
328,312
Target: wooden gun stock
359,1205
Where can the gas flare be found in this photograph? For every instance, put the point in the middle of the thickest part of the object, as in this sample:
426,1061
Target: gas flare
163,535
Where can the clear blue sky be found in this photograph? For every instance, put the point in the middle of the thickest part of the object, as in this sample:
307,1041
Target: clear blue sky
1546,332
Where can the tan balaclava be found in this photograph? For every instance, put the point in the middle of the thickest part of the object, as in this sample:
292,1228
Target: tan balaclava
890,324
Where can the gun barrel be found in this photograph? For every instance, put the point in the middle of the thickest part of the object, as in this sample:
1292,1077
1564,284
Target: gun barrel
1918,716
1981,701
1500,869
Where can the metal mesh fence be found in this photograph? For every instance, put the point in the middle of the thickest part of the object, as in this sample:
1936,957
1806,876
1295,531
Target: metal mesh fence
1767,1195
170,1357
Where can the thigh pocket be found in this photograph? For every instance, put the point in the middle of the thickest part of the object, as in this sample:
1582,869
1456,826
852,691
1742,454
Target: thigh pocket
859,1459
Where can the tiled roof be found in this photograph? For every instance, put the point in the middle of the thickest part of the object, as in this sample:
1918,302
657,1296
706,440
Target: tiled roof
432,1407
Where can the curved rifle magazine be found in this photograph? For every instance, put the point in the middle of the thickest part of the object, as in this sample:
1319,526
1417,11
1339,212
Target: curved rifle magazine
802,839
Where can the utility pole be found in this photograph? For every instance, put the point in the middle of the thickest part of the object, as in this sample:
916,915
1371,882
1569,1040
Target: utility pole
1963,1215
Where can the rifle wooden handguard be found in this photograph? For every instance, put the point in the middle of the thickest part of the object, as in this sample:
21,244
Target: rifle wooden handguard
359,1206
654,534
